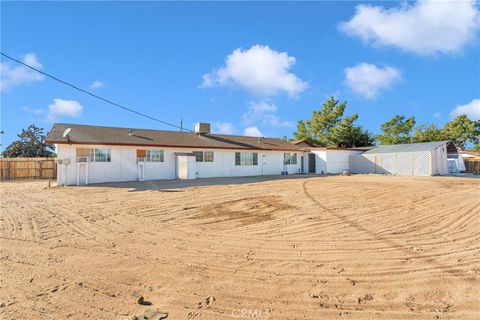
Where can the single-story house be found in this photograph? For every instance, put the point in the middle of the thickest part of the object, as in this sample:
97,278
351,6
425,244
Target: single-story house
93,154
414,159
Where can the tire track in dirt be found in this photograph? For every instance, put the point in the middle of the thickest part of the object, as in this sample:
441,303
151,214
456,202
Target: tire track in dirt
176,248
405,248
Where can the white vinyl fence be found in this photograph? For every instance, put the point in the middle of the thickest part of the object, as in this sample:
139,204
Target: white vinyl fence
402,164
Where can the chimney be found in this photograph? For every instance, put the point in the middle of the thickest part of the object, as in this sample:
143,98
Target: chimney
202,128
131,132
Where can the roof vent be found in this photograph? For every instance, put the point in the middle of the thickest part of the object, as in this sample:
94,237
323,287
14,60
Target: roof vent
202,128
131,132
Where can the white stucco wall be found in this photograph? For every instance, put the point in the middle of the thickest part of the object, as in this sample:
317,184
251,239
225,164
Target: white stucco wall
339,160
332,161
320,161
124,167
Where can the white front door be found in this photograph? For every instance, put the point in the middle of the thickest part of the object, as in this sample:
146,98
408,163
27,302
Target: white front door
185,167
182,167
141,172
82,174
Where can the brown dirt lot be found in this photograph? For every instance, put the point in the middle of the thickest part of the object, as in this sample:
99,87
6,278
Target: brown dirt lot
358,247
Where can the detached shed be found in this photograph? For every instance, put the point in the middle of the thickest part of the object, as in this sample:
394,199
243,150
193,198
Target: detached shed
330,160
414,159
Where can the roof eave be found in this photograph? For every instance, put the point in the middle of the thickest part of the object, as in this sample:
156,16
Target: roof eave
167,146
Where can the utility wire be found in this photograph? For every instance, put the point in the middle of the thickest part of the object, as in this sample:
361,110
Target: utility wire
94,95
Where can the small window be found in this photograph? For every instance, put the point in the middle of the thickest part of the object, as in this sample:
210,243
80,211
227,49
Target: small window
204,156
100,155
208,156
198,156
155,156
246,158
290,158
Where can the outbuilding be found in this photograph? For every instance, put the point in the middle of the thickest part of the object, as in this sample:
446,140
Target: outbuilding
330,160
414,159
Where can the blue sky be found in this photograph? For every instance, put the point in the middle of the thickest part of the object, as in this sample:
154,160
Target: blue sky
252,68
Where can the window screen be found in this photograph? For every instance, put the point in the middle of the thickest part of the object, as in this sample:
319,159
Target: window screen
155,156
204,156
100,155
208,156
198,156
290,158
246,158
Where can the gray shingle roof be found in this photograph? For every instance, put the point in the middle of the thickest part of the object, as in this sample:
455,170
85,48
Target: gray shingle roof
84,134
411,147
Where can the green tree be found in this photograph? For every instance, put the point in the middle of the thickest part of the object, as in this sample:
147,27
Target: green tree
347,135
302,133
397,130
476,148
462,131
31,143
427,133
318,128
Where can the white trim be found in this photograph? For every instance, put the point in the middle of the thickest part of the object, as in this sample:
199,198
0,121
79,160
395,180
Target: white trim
141,166
78,172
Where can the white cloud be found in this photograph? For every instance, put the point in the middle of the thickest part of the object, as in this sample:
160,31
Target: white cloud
252,132
12,76
472,110
264,113
273,120
256,111
426,27
63,108
224,128
368,80
96,84
32,60
437,115
259,70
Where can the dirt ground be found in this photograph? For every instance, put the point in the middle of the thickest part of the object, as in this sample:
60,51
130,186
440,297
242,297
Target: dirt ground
337,247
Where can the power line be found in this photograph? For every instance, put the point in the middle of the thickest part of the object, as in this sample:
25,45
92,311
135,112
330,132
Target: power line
94,95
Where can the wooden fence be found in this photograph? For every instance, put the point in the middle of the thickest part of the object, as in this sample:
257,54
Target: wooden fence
472,165
27,168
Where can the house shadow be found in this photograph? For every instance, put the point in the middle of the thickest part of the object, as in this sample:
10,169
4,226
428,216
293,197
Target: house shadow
180,185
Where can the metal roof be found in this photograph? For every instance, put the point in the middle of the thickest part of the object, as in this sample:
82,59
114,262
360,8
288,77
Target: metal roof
410,147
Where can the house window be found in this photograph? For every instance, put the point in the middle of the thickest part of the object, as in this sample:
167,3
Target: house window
290,158
246,158
155,156
198,156
208,156
204,156
100,155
